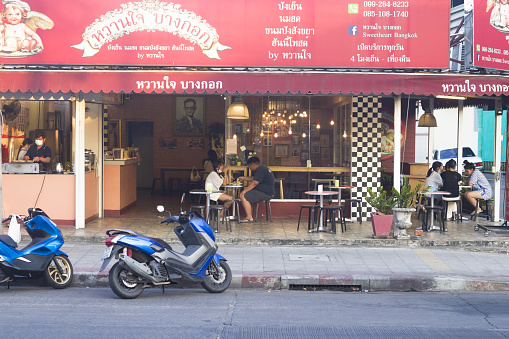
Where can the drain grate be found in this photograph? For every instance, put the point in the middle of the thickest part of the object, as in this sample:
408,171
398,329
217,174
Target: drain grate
342,288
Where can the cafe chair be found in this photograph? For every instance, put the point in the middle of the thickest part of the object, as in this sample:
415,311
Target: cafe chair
459,206
200,208
330,214
268,210
235,208
215,216
350,202
178,181
154,182
311,214
487,212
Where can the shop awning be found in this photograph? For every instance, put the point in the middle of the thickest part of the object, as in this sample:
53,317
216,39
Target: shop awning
244,82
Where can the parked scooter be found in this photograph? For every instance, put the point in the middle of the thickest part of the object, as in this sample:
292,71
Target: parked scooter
42,256
148,262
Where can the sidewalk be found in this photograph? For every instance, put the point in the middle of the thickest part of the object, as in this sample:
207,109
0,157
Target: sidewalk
274,255
358,268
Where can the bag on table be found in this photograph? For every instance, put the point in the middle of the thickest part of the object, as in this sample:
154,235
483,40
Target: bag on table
195,175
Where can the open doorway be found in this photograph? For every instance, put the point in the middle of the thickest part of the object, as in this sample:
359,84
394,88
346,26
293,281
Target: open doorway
140,134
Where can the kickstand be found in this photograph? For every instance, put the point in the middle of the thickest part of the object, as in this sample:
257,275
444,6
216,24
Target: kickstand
163,288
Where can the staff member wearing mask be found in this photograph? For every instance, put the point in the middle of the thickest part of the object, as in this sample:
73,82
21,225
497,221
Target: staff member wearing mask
39,153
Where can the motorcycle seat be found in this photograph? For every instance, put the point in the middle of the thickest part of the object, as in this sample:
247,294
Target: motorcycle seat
163,243
8,241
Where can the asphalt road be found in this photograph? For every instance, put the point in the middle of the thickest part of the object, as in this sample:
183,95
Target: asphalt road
36,312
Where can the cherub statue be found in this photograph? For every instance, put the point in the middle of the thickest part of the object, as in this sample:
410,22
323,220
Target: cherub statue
20,24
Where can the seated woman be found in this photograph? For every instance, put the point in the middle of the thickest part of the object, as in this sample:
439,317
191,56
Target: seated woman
207,163
433,177
452,181
219,177
481,188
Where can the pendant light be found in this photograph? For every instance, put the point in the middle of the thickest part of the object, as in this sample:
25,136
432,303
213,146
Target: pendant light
237,109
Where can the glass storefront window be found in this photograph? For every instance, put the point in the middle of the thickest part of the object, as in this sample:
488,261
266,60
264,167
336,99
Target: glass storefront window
291,133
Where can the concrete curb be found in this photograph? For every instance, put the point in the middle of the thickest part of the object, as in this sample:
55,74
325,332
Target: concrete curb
481,245
371,283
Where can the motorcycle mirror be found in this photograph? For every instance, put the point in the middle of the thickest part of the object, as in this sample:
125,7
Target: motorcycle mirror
160,208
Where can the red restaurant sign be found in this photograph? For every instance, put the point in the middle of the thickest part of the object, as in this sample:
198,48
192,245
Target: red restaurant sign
491,38
268,33
367,83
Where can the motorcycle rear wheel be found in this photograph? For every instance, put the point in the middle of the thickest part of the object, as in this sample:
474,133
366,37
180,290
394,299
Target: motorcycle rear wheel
59,278
120,285
217,282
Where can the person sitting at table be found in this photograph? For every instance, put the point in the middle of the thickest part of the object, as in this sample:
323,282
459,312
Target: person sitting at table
433,178
261,187
219,177
481,188
452,181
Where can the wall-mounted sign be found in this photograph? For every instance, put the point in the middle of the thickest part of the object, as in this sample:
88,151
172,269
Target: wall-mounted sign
389,134
305,33
491,34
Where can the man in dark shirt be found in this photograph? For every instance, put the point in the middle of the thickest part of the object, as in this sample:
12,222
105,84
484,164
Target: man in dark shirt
261,187
39,152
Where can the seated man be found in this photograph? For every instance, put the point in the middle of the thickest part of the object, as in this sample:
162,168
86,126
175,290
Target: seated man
261,187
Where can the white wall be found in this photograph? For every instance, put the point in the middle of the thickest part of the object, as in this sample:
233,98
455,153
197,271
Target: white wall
445,134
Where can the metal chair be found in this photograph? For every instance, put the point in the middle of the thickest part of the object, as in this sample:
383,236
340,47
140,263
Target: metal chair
268,210
215,215
311,210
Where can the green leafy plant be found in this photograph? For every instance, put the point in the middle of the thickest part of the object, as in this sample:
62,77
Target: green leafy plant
406,197
381,201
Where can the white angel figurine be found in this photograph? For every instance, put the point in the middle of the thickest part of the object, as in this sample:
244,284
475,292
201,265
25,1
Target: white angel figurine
19,29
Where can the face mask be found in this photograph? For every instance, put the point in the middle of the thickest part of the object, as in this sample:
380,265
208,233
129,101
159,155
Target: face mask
39,142
219,171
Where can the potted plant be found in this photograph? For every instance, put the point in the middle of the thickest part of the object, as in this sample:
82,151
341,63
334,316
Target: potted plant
405,200
383,203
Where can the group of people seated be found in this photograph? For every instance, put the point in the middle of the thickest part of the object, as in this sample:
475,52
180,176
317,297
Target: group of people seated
449,180
260,188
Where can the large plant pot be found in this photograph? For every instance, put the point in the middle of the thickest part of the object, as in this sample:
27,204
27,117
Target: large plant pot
402,221
382,224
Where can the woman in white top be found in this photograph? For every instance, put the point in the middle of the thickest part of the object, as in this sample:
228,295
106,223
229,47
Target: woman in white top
433,179
219,177
24,148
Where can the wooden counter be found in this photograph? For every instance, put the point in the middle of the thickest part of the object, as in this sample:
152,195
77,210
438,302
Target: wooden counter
119,185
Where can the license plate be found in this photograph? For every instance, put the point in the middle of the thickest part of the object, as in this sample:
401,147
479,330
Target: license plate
107,252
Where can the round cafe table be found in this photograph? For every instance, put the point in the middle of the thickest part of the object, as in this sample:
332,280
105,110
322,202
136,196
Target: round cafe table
321,194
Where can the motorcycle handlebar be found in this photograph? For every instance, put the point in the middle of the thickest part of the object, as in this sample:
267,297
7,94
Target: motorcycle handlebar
170,220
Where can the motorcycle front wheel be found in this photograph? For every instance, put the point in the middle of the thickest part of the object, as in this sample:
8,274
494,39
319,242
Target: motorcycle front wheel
61,276
217,281
121,283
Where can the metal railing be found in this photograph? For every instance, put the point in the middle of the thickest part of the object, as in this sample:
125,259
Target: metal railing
486,166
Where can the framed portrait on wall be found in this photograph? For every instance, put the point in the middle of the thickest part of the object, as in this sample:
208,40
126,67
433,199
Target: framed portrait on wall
189,116
114,133
281,150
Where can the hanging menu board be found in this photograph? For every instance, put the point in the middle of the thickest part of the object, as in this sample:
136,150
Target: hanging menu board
268,33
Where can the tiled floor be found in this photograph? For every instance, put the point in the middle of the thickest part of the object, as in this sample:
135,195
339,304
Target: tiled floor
144,218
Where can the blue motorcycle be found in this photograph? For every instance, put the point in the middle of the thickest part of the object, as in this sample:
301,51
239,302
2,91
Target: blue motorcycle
41,257
145,262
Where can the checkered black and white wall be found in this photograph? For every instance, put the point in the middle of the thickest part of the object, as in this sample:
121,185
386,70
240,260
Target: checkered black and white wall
366,160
